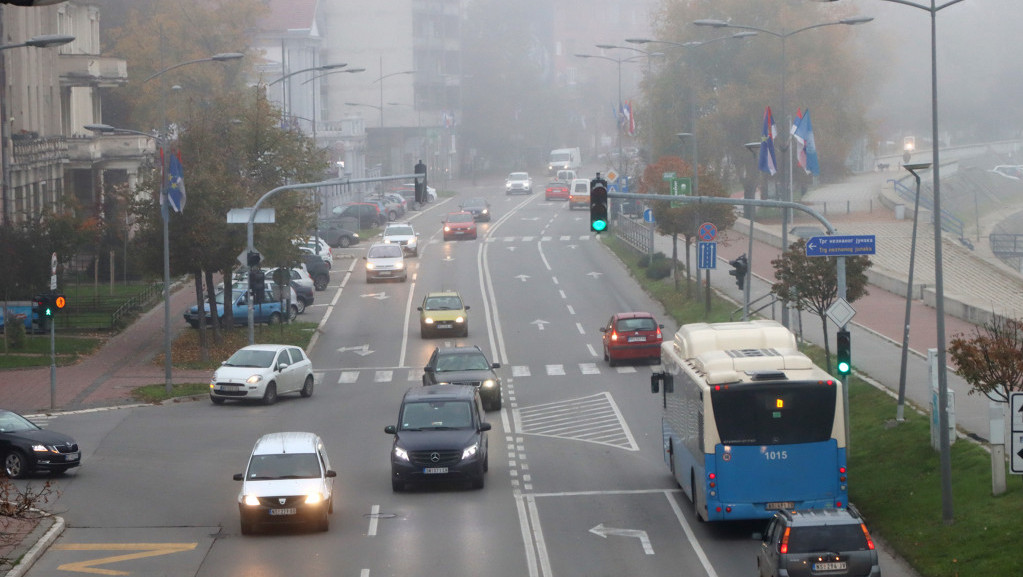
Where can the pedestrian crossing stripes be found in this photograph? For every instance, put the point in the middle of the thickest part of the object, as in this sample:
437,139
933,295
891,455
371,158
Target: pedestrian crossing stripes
405,374
561,238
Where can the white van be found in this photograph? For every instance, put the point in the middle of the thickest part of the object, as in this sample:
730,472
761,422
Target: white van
564,159
579,194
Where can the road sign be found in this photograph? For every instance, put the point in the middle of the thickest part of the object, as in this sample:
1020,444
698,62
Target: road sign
707,255
1016,444
680,187
834,245
667,176
648,215
611,176
841,312
708,231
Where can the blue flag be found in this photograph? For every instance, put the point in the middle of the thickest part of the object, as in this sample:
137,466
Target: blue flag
802,131
767,162
175,188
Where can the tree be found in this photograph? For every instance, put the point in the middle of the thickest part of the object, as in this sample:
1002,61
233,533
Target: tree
991,360
685,219
810,283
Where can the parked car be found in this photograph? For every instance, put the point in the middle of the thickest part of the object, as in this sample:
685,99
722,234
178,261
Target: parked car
385,261
459,225
632,335
301,282
337,235
440,436
367,214
403,235
518,182
408,190
269,311
262,373
319,272
479,208
388,207
288,480
465,365
811,542
393,200
318,246
26,448
443,312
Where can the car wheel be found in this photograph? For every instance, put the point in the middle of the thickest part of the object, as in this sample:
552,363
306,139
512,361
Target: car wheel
415,252
486,462
275,319
495,404
397,486
344,242
299,307
270,394
216,400
321,281
294,313
15,464
324,524
307,388
465,332
423,333
330,506
193,324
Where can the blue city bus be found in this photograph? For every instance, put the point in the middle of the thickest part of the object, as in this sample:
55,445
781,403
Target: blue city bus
750,425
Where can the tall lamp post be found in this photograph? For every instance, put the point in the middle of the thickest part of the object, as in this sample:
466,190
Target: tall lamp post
783,36
939,284
43,41
380,80
649,57
618,61
285,90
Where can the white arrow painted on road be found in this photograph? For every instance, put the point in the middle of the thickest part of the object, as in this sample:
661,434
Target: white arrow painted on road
510,248
378,296
361,350
539,323
533,218
594,274
637,533
522,277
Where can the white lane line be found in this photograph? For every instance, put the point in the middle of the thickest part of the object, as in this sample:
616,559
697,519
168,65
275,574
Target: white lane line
693,541
374,514
541,545
593,351
408,313
579,326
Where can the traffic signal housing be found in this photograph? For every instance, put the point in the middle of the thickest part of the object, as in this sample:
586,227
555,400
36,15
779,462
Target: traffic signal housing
598,205
843,354
740,268
257,284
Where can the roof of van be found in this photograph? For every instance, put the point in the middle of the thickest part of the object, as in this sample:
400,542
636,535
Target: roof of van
286,442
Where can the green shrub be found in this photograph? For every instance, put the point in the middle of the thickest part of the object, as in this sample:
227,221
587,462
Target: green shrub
658,269
14,326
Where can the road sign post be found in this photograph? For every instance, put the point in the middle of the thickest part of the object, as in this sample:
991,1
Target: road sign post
1016,443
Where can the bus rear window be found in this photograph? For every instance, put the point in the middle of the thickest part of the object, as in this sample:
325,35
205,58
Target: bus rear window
774,413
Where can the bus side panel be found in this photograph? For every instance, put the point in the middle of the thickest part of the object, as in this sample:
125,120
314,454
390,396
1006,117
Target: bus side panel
754,481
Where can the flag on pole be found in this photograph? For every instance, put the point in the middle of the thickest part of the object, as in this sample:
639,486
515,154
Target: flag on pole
767,162
802,131
632,119
175,187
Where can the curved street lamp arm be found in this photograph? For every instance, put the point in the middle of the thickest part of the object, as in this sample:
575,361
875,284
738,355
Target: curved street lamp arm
320,68
215,58
348,70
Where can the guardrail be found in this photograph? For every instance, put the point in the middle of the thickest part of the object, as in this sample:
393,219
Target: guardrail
634,232
135,304
949,223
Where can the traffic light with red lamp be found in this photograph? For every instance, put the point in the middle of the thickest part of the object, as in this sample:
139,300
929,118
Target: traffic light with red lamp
843,353
740,268
598,205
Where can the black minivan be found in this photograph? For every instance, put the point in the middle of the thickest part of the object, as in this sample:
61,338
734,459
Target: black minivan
440,436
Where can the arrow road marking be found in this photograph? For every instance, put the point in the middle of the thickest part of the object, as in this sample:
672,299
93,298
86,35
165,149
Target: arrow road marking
378,296
594,274
540,323
144,550
362,350
522,277
637,533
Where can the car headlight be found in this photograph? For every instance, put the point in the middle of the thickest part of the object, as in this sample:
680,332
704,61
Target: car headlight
399,266
43,449
485,211
489,383
314,498
401,454
254,379
428,320
447,228
369,266
470,450
251,500
387,241
460,320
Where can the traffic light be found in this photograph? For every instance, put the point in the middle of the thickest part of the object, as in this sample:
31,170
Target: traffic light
421,195
740,268
39,307
257,284
253,259
59,302
843,355
598,204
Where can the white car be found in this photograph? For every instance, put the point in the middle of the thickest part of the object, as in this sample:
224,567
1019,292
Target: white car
261,373
385,261
316,245
404,235
288,480
518,182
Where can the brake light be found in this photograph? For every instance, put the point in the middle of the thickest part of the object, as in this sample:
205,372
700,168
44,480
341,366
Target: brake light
658,332
614,335
783,547
870,542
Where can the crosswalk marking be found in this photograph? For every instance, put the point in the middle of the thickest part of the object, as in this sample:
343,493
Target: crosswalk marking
520,371
589,368
414,374
348,377
383,376
555,370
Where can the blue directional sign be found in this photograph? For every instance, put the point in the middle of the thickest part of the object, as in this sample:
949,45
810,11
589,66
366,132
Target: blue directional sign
835,245
648,215
707,255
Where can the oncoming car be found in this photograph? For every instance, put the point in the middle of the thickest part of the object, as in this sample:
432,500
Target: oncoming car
518,182
288,480
443,312
261,373
403,235
26,448
466,365
385,261
459,225
478,207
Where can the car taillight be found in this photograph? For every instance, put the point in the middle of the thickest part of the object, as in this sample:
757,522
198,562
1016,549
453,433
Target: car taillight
870,542
658,332
783,547
614,335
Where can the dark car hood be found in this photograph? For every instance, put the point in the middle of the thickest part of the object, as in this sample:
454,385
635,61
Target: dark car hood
435,440
43,437
462,376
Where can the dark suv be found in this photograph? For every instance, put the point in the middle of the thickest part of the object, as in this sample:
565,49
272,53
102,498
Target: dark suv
814,542
440,435
465,366
367,214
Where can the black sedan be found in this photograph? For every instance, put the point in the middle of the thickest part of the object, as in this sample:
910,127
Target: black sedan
25,448
465,365
479,208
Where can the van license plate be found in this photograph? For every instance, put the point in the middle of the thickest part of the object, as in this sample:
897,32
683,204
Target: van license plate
286,511
840,566
435,470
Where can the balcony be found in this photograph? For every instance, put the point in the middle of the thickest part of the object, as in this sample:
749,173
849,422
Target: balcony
29,150
92,70
110,150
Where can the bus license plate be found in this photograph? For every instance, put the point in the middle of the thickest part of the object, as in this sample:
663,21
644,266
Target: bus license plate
780,505
835,566
435,470
287,511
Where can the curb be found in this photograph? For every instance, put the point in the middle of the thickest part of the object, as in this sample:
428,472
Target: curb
54,530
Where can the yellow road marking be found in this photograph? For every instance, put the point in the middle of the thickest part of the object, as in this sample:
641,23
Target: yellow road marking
144,550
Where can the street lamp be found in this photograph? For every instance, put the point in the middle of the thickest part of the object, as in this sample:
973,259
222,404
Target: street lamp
286,89
783,36
619,62
381,81
649,56
914,170
43,41
939,284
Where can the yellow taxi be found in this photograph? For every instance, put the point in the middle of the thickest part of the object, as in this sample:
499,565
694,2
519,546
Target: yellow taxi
443,313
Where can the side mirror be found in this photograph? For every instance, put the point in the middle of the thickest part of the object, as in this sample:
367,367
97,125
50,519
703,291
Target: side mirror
603,329
484,426
495,365
331,473
364,258
420,309
466,307
390,429
282,366
428,369
239,476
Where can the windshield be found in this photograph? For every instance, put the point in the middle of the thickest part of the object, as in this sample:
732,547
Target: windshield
460,217
774,413
561,157
385,251
462,362
443,304
518,176
474,202
251,358
13,422
416,416
817,538
284,466
399,231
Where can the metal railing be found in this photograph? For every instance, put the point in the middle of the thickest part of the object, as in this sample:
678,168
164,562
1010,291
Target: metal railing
949,223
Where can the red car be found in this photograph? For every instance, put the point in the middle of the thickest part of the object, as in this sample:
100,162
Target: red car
459,225
556,190
632,336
